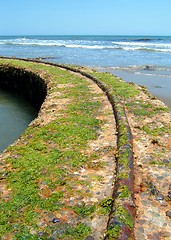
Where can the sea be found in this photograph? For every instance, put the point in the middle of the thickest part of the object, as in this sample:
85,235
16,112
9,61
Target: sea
145,60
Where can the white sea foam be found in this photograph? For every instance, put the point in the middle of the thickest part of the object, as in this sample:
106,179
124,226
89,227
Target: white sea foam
87,44
57,43
144,46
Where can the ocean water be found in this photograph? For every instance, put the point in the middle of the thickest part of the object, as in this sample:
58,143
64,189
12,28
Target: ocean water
15,115
141,59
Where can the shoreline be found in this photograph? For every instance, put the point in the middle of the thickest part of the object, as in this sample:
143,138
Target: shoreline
165,101
154,84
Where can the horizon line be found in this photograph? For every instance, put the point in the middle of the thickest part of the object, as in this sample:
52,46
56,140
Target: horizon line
128,35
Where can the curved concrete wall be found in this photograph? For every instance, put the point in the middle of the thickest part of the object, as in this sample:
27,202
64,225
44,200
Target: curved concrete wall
30,85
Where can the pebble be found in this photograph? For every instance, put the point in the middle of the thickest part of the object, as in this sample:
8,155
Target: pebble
41,224
165,185
159,197
79,198
58,233
145,202
55,220
169,194
168,214
160,177
154,191
84,176
88,190
44,235
96,149
141,229
89,238
166,161
94,199
3,175
141,221
98,193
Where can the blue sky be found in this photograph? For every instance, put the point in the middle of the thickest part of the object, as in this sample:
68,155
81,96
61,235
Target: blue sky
111,17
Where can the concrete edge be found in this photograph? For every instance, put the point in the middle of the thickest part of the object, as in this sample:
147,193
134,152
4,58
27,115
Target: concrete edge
122,216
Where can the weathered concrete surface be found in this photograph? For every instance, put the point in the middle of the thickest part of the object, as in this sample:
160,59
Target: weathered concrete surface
152,154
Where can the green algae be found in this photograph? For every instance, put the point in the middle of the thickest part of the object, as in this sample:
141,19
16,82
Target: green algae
123,175
141,108
105,206
155,131
117,86
121,218
124,192
68,138
37,148
123,215
83,210
114,232
41,161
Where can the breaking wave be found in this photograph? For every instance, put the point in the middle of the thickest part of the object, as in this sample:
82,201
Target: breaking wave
142,44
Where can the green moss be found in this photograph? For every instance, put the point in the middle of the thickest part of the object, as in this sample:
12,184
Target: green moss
42,162
159,163
48,155
123,175
114,232
124,192
123,158
26,235
140,108
122,214
83,210
80,232
155,131
106,205
117,86
96,165
35,161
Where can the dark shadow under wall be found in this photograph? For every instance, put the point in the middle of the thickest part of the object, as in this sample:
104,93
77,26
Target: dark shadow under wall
26,83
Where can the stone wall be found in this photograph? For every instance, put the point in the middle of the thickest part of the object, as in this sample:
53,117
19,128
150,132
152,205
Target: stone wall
27,83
